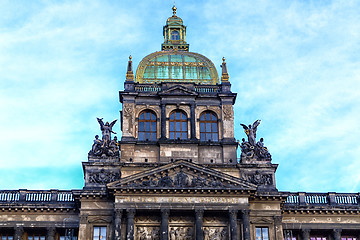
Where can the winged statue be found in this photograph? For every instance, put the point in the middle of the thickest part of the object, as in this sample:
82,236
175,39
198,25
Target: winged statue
251,131
106,129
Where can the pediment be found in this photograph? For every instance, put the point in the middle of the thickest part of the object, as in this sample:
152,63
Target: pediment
178,90
182,175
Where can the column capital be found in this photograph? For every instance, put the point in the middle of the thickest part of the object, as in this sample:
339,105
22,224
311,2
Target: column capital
51,231
165,212
130,212
199,212
118,212
233,212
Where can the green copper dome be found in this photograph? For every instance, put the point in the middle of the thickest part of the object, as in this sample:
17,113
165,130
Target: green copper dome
176,66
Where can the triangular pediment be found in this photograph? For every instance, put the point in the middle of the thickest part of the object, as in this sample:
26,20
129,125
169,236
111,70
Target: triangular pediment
182,175
178,90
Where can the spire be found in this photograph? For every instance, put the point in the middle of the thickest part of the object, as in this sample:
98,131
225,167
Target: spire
224,73
130,73
174,10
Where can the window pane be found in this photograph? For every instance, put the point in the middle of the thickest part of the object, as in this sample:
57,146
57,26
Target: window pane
141,116
10,238
172,126
202,127
208,127
214,127
213,117
183,116
178,126
208,116
141,136
184,126
96,233
153,117
153,136
202,137
153,126
172,116
147,126
215,137
184,136
103,232
258,233
147,136
42,238
178,115
208,136
202,117
265,232
172,135
178,135
141,126
147,116
36,237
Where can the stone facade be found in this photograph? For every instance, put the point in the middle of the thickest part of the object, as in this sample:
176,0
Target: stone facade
175,174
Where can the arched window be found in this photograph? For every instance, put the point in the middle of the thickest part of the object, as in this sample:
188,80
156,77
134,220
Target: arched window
209,127
175,35
147,126
178,125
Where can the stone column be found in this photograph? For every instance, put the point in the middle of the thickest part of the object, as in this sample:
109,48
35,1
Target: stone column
164,230
337,234
19,231
117,224
192,121
199,214
163,121
233,224
305,234
130,224
245,214
51,231
278,228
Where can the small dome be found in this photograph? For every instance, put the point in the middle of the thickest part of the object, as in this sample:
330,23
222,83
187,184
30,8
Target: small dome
176,66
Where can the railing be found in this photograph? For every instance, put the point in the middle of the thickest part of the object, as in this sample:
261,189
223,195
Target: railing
302,198
35,196
158,88
207,89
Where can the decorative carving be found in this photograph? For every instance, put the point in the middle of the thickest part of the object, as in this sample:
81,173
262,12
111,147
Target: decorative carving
252,150
128,113
107,146
227,111
260,179
104,177
181,233
148,233
215,233
180,180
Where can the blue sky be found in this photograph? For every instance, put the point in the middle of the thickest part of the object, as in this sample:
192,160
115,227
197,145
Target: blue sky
294,64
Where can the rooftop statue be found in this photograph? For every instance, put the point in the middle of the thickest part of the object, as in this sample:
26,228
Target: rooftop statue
106,146
252,150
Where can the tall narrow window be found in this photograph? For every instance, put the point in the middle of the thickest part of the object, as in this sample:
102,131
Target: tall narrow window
178,125
208,127
262,233
147,126
99,233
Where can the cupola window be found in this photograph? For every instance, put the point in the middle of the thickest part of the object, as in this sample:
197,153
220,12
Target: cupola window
178,125
175,35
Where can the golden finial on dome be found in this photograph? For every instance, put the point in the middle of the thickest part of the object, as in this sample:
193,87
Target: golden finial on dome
130,57
174,10
130,73
224,73
223,59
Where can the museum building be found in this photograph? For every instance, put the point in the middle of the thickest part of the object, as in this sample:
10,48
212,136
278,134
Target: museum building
175,174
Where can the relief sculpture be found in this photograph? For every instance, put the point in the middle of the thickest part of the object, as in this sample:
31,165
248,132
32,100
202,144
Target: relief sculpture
215,233
128,113
148,233
181,233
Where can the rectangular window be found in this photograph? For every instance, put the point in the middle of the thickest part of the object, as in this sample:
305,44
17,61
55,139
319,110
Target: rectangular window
348,238
99,233
36,237
318,238
262,233
6,237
